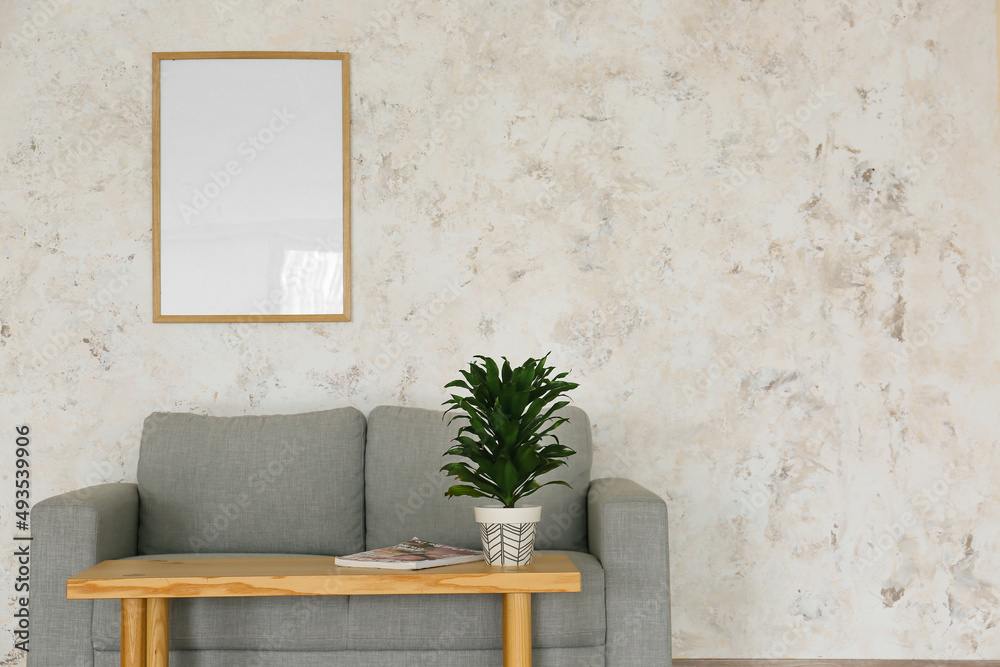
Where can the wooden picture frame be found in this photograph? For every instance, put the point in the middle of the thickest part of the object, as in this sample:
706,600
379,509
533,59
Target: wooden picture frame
251,187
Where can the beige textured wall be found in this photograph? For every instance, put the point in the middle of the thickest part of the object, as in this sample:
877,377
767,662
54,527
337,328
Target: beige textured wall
762,234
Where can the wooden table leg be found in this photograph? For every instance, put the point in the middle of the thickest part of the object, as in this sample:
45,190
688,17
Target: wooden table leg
133,632
157,632
517,630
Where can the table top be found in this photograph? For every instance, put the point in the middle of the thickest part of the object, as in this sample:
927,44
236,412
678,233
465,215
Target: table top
311,575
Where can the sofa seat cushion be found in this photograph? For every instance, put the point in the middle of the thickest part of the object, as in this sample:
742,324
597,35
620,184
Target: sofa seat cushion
305,623
252,484
454,622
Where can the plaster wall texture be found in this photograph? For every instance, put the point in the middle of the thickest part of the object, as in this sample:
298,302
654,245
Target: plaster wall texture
761,234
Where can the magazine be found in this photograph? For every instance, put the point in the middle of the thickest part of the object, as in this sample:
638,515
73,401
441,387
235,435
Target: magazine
415,554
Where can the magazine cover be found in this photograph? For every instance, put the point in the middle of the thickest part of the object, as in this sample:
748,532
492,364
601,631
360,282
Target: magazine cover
415,554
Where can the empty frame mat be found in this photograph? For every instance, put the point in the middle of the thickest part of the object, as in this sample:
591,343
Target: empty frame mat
251,183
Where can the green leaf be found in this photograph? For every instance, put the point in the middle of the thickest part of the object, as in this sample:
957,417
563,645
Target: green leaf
527,376
526,460
464,473
538,486
556,451
465,491
506,398
508,480
507,427
548,467
492,378
529,487
460,470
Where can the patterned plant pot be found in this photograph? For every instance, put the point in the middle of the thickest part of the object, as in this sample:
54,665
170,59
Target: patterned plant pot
508,533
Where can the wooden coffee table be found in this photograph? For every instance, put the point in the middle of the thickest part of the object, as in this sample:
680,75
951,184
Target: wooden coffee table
146,586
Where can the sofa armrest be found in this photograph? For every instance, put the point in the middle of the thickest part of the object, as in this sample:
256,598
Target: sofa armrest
71,532
627,526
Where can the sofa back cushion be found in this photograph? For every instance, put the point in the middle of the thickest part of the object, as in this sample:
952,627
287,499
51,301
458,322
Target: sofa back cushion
404,488
276,484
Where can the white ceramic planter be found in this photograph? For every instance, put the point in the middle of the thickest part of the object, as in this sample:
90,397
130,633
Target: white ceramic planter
508,533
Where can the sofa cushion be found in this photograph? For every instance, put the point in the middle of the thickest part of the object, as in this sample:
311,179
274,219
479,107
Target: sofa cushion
450,622
404,487
276,484
306,623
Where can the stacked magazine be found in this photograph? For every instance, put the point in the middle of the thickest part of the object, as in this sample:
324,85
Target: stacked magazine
415,554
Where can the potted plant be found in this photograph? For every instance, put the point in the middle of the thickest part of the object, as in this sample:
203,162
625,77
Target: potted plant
508,438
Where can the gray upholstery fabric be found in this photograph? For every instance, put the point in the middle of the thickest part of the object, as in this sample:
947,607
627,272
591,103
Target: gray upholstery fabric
552,657
308,623
277,483
558,620
296,484
72,532
628,533
404,489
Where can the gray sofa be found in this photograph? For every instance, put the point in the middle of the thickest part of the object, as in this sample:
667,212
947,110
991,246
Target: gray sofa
331,483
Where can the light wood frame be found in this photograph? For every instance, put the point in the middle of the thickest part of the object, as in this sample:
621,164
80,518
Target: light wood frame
158,316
